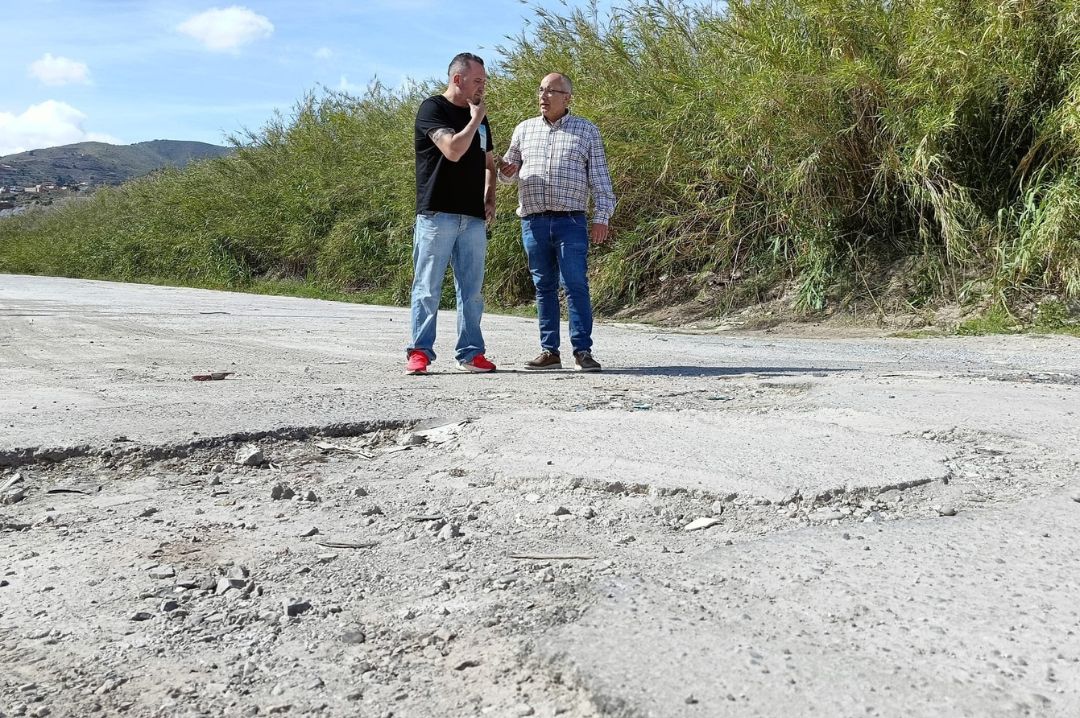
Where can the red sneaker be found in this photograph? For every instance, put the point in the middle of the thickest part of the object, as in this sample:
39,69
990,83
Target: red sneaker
418,362
477,365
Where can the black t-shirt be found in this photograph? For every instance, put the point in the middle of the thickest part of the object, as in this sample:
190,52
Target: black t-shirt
442,185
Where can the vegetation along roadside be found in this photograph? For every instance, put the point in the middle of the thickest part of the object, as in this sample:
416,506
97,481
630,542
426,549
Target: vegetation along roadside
892,155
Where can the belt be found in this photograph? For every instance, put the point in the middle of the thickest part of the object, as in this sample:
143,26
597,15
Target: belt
579,213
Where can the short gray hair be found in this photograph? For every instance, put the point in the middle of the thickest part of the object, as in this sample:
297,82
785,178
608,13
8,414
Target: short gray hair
569,84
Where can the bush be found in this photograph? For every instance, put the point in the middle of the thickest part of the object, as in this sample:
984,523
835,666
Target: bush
799,141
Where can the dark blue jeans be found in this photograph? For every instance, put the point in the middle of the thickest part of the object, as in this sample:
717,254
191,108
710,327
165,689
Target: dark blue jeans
557,248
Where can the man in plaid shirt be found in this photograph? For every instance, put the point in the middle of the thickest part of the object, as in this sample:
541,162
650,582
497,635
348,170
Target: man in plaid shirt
557,160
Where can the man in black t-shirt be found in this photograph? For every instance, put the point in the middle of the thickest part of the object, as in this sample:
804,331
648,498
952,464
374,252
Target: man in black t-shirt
455,197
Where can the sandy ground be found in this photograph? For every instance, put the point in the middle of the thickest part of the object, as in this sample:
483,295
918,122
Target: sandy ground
715,525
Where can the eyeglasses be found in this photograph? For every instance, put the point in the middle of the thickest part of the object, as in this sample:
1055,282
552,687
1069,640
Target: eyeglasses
548,91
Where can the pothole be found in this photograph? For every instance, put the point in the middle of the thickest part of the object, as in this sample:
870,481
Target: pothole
400,573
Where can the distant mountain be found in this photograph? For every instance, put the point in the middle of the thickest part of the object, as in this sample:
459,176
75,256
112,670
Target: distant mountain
100,163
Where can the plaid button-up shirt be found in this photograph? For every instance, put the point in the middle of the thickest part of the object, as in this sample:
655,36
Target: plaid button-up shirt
560,163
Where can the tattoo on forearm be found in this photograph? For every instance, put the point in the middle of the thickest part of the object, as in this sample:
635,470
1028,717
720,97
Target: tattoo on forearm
439,133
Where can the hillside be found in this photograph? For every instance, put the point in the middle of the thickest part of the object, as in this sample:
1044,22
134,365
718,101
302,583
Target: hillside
100,163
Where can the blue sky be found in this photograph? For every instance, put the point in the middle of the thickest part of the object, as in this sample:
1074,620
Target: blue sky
126,71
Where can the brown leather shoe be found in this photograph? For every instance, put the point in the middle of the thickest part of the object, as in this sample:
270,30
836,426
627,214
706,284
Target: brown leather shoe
585,361
546,360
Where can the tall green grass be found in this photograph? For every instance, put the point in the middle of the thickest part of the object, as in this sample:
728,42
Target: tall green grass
824,145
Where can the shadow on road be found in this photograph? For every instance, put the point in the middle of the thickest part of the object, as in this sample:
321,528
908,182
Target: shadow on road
723,371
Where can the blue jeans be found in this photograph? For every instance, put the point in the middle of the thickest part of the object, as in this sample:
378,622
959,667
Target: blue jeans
557,247
441,238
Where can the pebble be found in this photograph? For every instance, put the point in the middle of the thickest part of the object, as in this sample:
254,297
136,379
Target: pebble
169,606
310,496
310,532
532,498
560,511
360,491
523,709
225,583
353,637
449,531
1076,496
162,572
140,616
237,572
109,686
294,607
148,512
467,663
947,510
587,513
281,491
373,510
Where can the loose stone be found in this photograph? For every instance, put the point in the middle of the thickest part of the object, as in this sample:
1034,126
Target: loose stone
449,531
704,522
294,607
353,637
162,572
250,455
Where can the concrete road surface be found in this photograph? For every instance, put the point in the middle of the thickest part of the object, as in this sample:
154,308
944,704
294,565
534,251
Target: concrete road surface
895,520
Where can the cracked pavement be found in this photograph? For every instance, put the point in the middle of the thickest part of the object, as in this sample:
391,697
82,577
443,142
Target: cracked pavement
889,523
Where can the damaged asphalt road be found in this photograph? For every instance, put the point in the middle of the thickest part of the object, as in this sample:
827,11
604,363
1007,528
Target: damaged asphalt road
716,525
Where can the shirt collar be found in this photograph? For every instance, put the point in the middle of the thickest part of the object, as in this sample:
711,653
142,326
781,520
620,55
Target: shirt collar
557,123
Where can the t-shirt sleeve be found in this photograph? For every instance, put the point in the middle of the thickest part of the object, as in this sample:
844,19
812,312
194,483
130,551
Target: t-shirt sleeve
431,117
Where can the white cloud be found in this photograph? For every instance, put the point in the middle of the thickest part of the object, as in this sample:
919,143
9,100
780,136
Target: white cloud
324,53
47,124
227,30
59,70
